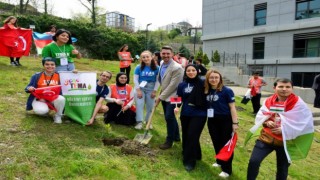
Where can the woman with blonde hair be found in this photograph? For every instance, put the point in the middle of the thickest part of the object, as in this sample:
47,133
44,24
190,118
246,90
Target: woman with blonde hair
222,116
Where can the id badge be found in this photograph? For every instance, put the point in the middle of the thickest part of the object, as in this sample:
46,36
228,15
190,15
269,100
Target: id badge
210,113
143,84
63,61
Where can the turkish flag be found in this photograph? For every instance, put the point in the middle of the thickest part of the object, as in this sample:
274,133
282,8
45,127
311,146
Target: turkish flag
175,100
49,94
15,42
227,150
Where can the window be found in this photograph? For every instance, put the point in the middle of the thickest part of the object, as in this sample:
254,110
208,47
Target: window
260,14
258,48
307,9
306,45
303,79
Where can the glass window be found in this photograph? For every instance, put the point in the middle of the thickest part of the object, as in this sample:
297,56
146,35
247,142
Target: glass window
306,48
307,9
258,50
260,17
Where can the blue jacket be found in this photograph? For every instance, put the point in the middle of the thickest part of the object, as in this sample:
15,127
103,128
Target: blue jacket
33,82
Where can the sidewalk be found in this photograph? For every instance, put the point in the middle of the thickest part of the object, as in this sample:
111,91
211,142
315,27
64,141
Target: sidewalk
240,91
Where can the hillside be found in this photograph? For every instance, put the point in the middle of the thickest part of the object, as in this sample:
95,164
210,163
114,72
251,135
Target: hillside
32,147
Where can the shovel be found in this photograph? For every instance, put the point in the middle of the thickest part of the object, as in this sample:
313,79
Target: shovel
146,137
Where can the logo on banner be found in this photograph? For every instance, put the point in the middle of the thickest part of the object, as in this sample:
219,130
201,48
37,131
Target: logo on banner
75,84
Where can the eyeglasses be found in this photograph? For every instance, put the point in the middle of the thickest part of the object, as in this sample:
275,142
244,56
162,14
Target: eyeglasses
105,76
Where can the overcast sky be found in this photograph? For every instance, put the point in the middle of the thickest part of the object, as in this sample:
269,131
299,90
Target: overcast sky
157,12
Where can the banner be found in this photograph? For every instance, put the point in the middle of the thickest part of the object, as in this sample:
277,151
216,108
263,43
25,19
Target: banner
41,40
80,92
15,42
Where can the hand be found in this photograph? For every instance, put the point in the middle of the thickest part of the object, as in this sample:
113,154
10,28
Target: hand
139,93
176,110
31,89
270,124
153,94
118,101
75,51
124,108
75,71
157,101
276,130
90,122
235,127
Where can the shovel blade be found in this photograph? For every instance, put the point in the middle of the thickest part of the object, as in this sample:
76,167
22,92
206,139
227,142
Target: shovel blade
143,138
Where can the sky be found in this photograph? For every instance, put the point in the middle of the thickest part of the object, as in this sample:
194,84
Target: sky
159,13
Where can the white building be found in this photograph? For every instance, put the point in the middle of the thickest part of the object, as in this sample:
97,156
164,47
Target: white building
120,21
281,37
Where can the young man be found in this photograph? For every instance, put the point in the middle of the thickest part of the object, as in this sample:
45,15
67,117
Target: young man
255,83
170,75
287,126
102,92
316,88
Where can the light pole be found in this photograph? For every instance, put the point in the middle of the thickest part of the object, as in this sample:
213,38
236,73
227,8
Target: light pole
147,35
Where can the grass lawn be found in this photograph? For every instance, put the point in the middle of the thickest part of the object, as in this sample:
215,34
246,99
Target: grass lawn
32,147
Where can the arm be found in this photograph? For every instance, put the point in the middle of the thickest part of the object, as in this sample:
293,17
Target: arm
32,84
95,111
176,78
120,57
234,116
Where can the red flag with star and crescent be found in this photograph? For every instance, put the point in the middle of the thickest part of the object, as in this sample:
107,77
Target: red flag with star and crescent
15,42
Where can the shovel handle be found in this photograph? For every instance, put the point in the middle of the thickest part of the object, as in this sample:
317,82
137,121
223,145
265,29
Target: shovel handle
150,118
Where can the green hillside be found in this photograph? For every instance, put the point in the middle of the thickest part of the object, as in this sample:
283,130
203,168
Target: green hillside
32,147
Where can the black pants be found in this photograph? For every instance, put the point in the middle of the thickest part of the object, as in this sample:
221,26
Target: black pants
127,71
12,59
191,131
317,98
255,100
125,118
220,129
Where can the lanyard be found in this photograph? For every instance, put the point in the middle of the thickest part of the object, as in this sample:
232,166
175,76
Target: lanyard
45,77
64,48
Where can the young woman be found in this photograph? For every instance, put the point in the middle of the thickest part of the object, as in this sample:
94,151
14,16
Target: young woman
44,79
125,60
11,23
222,116
120,102
193,115
146,85
62,50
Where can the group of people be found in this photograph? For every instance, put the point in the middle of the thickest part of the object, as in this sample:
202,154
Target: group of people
205,99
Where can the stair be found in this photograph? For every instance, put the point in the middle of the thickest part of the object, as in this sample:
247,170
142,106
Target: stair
227,82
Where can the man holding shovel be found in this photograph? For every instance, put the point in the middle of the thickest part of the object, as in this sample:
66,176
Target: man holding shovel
170,75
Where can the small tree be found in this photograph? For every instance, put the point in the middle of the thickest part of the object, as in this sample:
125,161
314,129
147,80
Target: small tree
184,50
205,59
216,56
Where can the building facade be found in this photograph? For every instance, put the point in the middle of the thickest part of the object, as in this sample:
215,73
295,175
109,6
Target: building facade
120,21
278,37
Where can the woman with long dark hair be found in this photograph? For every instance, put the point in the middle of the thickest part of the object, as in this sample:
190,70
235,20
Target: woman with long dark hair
125,60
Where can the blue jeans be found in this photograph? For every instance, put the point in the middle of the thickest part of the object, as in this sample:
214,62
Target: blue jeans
172,124
145,100
69,67
262,150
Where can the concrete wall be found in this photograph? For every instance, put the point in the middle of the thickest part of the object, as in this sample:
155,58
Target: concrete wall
234,74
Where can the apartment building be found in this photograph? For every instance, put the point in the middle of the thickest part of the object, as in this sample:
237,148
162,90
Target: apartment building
120,21
281,37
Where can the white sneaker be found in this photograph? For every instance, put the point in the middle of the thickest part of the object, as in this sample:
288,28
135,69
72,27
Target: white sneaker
57,119
224,174
138,126
216,165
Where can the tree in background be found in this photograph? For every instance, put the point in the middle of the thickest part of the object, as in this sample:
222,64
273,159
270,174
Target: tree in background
204,57
184,50
91,9
174,33
216,56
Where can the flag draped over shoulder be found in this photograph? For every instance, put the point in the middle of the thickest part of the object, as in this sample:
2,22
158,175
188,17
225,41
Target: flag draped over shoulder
15,42
296,125
42,39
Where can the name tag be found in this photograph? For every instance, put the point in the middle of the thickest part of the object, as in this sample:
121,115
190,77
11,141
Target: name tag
143,84
276,109
210,113
63,61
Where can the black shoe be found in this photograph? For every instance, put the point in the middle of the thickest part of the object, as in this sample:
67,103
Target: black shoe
166,145
189,167
18,64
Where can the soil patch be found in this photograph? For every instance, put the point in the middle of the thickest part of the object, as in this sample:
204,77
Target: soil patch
239,108
130,147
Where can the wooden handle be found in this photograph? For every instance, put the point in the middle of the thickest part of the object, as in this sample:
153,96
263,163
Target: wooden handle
150,118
